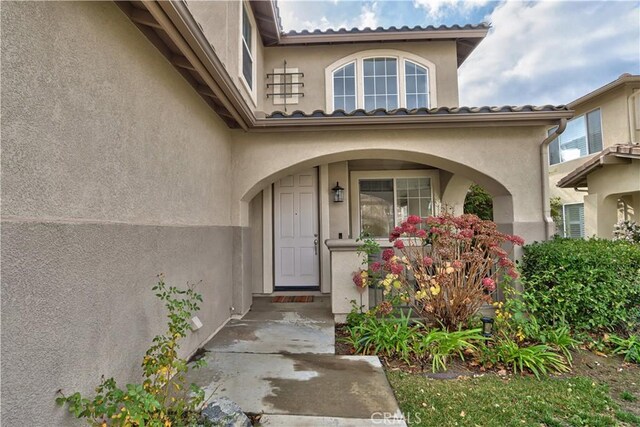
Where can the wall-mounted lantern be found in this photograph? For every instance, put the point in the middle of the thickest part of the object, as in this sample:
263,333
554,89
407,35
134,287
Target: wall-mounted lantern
487,326
338,193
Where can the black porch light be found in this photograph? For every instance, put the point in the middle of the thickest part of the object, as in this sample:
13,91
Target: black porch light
487,326
338,193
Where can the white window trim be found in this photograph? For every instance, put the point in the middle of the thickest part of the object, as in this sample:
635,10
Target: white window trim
250,89
291,99
587,126
401,57
564,218
354,194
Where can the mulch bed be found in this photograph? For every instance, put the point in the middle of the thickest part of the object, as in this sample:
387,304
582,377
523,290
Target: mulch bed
305,298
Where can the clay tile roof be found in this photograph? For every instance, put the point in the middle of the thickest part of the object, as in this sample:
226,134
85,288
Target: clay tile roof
392,29
578,177
416,112
467,37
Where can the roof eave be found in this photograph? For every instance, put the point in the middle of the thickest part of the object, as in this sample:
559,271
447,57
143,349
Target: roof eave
387,36
623,80
535,118
268,21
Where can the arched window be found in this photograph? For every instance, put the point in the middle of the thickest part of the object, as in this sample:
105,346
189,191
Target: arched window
416,85
344,88
380,78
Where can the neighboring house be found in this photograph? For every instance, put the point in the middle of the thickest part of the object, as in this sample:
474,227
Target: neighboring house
200,141
595,163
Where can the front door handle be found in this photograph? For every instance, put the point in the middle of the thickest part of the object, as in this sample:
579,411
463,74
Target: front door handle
315,246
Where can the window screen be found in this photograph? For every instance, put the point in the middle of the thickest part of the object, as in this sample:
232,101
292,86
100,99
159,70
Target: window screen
574,220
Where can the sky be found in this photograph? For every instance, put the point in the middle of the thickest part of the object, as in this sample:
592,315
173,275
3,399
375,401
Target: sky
536,52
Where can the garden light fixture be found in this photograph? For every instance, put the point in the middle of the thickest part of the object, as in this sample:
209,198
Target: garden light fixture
338,193
487,326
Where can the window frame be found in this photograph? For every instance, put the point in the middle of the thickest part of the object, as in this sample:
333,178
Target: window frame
355,74
401,57
250,87
386,95
564,220
586,124
354,194
427,94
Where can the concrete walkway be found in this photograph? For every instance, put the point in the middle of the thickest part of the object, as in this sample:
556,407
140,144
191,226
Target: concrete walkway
279,360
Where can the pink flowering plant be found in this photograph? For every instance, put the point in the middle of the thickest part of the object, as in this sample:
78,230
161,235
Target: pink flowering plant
445,267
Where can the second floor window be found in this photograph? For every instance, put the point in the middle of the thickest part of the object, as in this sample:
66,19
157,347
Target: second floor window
380,83
344,88
394,79
247,57
583,136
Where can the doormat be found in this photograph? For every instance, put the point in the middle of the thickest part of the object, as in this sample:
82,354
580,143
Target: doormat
282,298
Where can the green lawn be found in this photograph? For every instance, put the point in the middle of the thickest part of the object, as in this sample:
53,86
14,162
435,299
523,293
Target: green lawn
517,401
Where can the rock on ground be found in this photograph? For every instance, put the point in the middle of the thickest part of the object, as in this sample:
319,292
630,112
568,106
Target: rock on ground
224,412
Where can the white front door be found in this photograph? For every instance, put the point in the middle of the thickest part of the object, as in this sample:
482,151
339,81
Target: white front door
296,247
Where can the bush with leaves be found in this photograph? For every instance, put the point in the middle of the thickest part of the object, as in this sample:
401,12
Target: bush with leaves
384,335
163,399
478,202
629,348
447,266
592,285
439,345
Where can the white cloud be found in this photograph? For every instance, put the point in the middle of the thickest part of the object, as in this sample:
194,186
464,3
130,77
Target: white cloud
369,15
311,15
551,52
438,8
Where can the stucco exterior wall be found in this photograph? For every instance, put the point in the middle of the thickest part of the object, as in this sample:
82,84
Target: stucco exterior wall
113,171
339,212
221,23
505,161
313,60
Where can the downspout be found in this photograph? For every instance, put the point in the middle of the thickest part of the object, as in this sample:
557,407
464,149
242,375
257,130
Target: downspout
632,114
544,161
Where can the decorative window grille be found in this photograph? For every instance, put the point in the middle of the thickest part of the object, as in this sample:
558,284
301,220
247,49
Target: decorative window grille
285,87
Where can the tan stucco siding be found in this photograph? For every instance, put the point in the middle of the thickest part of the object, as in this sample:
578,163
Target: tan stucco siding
221,23
99,126
313,60
113,170
506,161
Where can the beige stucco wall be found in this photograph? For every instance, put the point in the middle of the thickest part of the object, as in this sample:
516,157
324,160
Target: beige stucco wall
221,23
339,212
505,161
113,170
313,60
606,186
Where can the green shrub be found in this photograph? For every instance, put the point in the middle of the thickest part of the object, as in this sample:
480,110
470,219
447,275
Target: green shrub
439,345
164,398
593,285
386,336
539,358
629,347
